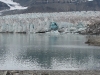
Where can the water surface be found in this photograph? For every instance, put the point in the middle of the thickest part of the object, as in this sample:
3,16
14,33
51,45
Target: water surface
47,51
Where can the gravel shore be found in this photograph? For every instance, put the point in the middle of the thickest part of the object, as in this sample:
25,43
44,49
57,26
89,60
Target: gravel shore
50,72
94,40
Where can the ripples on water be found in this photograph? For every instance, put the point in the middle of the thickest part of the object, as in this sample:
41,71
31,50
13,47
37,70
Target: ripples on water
47,51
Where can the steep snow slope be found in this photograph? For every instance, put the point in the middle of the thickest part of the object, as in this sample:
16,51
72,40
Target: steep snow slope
13,5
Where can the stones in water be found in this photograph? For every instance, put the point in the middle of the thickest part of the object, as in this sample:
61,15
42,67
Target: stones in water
9,73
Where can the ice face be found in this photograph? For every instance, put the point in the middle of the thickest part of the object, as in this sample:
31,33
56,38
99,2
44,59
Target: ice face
53,26
35,22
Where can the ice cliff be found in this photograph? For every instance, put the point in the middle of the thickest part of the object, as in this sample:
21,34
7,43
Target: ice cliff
40,22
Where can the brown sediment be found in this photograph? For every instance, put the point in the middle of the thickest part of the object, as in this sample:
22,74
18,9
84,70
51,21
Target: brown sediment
93,41
51,72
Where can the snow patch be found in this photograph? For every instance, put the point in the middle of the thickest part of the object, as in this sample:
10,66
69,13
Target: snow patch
90,0
13,5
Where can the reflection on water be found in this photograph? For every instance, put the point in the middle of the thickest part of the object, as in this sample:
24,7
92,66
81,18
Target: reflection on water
47,51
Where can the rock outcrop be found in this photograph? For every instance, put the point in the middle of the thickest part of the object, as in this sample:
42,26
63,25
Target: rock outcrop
93,40
3,6
94,28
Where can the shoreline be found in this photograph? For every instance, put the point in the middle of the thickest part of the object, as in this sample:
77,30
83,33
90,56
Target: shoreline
49,72
93,41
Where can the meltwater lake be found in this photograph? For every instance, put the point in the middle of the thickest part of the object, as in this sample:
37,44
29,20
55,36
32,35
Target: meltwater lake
47,52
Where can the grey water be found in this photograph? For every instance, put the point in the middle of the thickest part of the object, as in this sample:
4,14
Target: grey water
47,52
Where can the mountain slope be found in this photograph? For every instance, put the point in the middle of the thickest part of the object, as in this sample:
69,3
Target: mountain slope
54,6
3,6
13,5
60,5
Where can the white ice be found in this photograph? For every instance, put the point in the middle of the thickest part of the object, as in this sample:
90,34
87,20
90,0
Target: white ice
35,22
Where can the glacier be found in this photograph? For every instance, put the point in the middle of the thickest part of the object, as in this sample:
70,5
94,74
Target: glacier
36,22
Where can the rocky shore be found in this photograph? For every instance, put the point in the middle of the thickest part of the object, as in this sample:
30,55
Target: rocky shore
93,40
50,72
93,28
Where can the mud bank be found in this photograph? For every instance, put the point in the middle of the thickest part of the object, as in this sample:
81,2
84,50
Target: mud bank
93,40
49,72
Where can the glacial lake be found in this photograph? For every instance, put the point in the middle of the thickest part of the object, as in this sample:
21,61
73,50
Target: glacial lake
47,52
